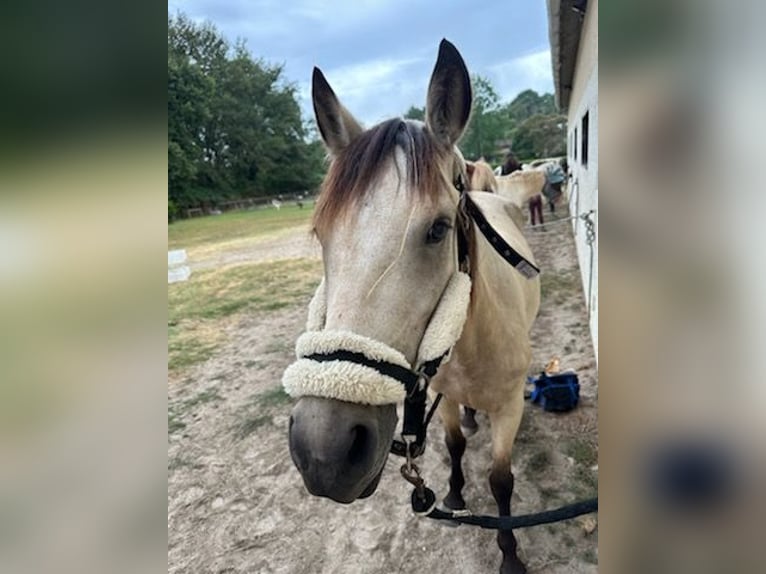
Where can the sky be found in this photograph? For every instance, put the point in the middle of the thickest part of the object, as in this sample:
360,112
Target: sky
378,54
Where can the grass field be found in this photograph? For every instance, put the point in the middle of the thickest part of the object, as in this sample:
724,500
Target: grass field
200,309
240,225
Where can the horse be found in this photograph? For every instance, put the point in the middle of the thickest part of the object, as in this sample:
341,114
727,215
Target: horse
398,290
480,176
523,187
555,176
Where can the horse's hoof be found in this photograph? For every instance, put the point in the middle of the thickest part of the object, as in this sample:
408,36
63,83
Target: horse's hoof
453,502
513,567
469,430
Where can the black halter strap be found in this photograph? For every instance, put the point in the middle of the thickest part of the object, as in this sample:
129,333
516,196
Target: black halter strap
469,211
513,257
409,379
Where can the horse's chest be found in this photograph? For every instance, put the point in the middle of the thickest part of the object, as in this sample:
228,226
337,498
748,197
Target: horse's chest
468,386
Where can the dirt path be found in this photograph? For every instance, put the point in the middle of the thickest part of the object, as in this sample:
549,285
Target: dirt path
236,503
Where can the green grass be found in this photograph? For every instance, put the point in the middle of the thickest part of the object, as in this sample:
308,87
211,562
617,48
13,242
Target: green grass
190,344
198,309
539,461
251,424
273,398
558,286
215,229
180,462
218,293
202,398
590,556
585,454
260,411
174,424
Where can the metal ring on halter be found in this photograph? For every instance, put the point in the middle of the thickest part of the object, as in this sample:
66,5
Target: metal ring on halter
424,380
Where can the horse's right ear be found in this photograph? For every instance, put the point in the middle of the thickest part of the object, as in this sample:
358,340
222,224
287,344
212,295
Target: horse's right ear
336,124
449,96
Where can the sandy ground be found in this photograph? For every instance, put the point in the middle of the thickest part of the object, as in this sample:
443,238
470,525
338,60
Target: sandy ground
237,504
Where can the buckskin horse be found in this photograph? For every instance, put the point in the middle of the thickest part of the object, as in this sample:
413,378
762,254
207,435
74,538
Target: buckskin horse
411,286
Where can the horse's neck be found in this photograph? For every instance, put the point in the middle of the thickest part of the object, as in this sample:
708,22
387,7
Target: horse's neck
502,300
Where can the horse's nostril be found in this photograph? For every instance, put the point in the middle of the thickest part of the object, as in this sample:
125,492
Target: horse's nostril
358,450
290,427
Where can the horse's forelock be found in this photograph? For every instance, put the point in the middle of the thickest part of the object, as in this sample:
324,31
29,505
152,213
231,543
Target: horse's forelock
356,170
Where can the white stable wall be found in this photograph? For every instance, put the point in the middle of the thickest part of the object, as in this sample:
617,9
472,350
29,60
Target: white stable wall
583,185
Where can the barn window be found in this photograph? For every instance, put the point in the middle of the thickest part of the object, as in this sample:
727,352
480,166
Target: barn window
584,152
574,145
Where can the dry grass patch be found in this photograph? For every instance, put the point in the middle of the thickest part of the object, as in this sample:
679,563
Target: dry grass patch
199,310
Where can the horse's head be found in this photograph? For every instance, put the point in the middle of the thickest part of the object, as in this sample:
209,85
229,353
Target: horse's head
480,176
386,219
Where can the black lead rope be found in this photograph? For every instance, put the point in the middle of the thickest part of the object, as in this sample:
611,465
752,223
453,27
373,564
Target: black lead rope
426,506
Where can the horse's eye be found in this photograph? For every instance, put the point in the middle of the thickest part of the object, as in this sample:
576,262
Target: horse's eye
438,231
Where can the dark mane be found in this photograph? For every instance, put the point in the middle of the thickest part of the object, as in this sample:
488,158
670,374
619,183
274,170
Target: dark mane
357,168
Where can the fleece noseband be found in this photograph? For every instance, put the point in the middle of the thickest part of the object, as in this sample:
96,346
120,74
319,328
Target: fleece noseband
350,367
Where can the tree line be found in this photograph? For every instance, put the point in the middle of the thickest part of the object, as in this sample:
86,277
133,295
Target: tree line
529,125
235,129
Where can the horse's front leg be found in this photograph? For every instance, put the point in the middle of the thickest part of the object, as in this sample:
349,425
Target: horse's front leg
505,424
449,411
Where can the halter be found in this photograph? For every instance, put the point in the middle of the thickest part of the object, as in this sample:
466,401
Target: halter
346,366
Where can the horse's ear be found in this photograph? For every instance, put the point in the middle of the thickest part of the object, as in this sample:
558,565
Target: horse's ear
336,124
449,96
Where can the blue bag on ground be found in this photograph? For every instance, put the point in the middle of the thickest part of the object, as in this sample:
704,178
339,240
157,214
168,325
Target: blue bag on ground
557,393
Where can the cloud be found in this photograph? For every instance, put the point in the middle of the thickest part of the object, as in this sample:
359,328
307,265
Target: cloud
530,71
376,89
378,54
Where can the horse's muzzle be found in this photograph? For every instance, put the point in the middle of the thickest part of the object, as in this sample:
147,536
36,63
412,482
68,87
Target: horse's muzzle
339,447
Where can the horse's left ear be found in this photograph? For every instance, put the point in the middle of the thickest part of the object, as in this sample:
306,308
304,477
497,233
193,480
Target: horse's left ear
337,126
449,96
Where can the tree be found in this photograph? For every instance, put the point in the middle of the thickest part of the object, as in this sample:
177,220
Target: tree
527,104
487,124
234,124
533,125
540,136
415,113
